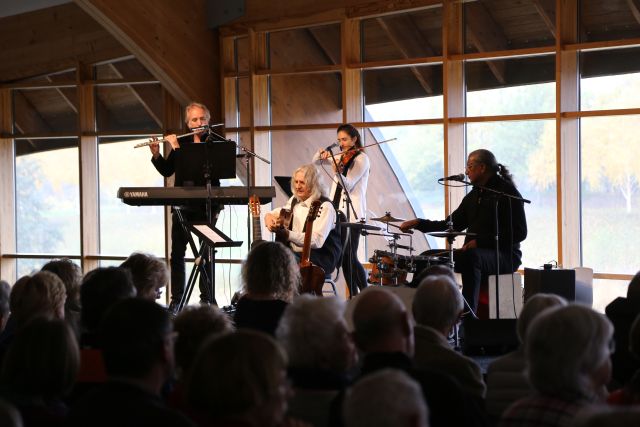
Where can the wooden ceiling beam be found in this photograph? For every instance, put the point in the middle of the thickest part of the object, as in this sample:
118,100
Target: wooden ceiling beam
634,6
170,39
407,38
328,42
486,36
27,117
52,39
149,98
547,11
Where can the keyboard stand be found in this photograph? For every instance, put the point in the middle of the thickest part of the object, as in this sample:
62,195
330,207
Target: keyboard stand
210,239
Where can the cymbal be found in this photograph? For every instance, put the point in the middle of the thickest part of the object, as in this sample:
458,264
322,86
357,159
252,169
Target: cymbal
359,226
451,234
388,218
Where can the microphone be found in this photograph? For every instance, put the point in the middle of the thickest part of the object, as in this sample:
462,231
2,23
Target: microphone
334,145
459,177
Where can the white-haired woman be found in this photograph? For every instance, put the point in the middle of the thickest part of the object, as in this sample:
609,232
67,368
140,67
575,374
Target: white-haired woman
568,353
271,277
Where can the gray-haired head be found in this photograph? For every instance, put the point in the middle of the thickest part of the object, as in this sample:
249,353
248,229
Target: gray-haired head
533,307
314,334
312,179
387,398
567,351
437,303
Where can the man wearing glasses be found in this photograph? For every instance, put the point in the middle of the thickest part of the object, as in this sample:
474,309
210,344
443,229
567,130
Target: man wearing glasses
476,214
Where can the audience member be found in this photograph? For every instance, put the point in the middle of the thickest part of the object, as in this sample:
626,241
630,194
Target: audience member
149,275
506,378
71,275
9,416
387,398
193,326
271,277
137,344
606,416
383,332
630,393
40,295
239,379
5,292
437,306
101,289
39,369
567,352
314,334
622,312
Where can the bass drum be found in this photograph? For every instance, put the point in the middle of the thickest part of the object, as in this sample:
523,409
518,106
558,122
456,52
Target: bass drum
387,269
423,262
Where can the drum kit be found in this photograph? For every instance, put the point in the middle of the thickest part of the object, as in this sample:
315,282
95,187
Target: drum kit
389,268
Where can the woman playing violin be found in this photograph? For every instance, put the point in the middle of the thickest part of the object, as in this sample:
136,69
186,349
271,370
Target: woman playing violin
353,164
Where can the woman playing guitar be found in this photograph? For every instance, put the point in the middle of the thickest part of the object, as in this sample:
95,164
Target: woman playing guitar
354,166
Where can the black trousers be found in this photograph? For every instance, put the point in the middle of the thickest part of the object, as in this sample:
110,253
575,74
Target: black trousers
353,271
179,244
474,264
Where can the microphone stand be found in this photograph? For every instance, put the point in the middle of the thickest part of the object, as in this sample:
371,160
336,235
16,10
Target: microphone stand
497,195
247,156
350,208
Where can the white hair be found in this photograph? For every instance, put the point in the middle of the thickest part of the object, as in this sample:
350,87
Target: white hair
311,330
533,307
193,104
387,398
564,347
312,179
437,303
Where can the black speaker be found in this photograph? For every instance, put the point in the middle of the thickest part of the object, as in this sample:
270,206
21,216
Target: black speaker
489,337
550,281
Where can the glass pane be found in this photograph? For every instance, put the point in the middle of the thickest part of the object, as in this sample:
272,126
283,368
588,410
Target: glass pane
29,266
403,93
610,148
493,25
244,102
527,149
48,201
304,47
610,79
406,35
123,228
306,99
511,86
242,52
45,110
128,69
404,176
605,291
228,282
129,107
608,20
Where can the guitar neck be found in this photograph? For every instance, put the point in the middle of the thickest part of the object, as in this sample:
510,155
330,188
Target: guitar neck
306,247
257,229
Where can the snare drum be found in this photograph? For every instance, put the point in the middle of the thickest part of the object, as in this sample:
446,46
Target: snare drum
387,269
423,261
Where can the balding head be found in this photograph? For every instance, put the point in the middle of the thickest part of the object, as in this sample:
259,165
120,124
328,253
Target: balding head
437,303
381,323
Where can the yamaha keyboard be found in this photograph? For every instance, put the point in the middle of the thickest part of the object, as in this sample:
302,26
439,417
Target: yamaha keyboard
175,196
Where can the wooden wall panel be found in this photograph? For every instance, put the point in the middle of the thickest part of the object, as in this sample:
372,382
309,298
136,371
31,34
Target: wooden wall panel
7,193
171,40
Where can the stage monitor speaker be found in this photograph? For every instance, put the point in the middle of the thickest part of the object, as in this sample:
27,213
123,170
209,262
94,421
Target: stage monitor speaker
489,337
550,281
221,12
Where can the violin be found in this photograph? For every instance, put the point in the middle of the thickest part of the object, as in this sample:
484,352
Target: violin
347,156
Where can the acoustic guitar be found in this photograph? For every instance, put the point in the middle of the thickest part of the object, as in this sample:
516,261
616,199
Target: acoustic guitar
256,234
312,276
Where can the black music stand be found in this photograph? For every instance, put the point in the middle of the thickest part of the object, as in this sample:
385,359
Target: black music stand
204,164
